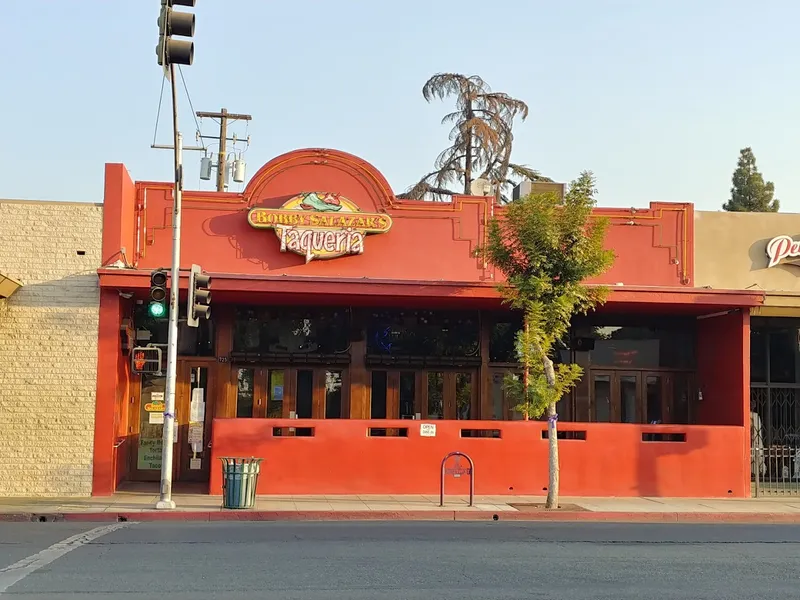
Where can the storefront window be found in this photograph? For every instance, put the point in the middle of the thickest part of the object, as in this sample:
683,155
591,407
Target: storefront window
423,333
463,395
783,356
277,379
275,331
435,395
245,393
192,341
503,340
379,394
333,394
659,343
407,394
758,355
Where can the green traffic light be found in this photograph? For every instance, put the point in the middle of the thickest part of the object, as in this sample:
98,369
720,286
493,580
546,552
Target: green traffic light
156,309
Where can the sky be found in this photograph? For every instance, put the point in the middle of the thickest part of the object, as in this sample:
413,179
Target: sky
656,97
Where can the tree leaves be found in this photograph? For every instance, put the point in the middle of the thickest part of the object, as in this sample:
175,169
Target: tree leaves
750,193
547,250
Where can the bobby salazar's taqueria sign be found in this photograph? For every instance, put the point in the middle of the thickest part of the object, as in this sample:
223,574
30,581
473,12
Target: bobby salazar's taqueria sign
319,225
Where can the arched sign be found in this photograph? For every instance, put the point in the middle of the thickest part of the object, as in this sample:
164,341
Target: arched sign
320,225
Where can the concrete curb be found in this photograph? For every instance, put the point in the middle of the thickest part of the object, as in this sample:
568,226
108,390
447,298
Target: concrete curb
411,515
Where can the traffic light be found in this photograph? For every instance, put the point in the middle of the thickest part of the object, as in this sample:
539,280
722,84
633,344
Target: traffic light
158,294
171,22
199,300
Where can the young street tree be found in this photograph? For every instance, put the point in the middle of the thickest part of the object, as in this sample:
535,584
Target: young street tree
481,137
547,250
750,193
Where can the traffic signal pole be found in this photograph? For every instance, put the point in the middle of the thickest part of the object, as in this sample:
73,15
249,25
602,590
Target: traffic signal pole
167,445
170,52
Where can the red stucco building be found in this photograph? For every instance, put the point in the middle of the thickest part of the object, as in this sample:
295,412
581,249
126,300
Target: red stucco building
344,318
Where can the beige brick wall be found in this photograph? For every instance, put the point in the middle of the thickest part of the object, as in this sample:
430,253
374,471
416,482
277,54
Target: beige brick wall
48,347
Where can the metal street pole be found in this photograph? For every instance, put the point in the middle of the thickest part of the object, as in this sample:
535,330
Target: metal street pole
165,501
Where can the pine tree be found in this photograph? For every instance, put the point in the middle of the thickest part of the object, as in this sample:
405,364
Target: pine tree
750,193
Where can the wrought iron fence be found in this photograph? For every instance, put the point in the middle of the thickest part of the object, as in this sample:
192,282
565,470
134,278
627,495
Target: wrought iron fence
775,440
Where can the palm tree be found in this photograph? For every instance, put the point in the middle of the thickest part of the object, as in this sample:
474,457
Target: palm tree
481,137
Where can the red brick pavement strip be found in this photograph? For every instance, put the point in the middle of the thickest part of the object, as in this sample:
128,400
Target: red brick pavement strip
419,515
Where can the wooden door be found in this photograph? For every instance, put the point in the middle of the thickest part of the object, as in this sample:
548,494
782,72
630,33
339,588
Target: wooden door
617,396
394,394
290,393
193,416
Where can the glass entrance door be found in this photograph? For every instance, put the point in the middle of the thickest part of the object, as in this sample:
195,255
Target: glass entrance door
146,419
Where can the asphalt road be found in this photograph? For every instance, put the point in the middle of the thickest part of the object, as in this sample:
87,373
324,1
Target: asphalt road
401,560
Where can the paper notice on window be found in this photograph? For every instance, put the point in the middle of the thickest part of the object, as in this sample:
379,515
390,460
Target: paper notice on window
195,463
156,397
427,430
196,434
197,409
156,418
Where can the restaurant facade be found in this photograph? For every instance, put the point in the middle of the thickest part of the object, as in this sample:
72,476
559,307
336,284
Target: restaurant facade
355,339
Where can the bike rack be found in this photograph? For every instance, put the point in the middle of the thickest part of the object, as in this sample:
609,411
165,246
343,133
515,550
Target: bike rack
458,471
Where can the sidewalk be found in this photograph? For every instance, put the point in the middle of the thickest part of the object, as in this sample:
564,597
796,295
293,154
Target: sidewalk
137,506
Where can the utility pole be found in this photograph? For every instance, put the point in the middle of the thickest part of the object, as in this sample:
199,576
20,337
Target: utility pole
171,52
224,116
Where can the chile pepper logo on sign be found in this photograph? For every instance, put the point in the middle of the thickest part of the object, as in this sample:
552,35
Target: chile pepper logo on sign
319,225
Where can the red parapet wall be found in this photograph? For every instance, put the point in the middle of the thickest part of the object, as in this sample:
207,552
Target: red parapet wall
426,242
613,460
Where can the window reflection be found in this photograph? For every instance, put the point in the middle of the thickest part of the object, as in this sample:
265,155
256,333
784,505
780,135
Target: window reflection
782,356
435,395
407,394
291,331
423,333
245,391
602,398
379,394
498,393
305,393
276,387
654,399
463,395
333,395
628,389
671,344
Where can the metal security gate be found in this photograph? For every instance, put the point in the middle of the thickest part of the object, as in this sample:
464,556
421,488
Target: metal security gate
775,439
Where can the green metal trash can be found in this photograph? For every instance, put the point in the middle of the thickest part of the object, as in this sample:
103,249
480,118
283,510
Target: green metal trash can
239,481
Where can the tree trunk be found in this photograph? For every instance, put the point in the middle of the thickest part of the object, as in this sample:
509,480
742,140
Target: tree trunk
552,438
526,368
468,158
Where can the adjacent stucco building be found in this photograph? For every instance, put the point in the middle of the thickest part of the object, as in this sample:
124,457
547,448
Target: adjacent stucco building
760,252
49,306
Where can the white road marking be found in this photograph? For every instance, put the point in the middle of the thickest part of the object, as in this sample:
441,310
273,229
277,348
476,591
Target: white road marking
21,569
